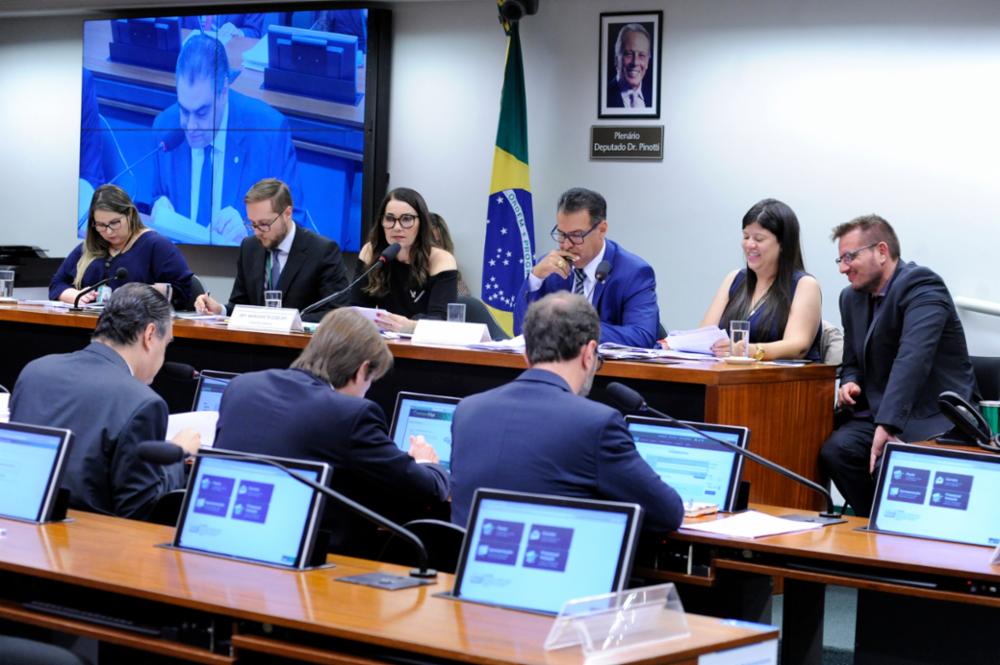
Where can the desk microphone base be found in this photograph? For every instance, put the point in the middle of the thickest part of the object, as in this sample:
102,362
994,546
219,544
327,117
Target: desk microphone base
816,519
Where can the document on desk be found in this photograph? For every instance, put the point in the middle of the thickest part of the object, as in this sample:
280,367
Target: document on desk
751,524
699,340
202,422
514,345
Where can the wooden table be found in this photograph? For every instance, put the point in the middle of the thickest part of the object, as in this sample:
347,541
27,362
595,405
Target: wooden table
241,610
789,410
919,601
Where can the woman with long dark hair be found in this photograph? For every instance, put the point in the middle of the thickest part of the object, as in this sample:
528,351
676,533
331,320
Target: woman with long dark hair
421,281
773,292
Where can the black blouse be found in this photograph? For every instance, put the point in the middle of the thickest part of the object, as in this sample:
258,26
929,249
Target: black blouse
429,302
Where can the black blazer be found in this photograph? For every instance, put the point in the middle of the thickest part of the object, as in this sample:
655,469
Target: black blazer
314,269
913,350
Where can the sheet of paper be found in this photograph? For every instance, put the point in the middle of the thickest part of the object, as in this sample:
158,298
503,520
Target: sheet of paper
368,312
255,57
202,422
699,340
685,355
514,345
751,524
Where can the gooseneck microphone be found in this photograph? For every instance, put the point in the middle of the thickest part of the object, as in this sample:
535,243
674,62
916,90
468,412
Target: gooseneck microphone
120,274
178,371
164,452
388,255
630,400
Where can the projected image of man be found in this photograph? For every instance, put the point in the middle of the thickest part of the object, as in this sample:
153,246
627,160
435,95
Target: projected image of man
218,144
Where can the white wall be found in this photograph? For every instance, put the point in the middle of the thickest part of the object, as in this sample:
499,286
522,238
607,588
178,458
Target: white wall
839,109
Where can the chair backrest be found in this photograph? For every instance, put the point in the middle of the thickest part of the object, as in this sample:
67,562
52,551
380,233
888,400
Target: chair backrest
987,370
831,344
443,541
197,288
167,508
476,312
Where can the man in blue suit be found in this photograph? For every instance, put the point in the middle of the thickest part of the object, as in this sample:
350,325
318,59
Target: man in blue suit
539,433
903,346
620,285
218,143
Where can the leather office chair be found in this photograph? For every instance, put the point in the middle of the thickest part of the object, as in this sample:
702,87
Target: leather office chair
987,370
197,288
167,508
831,344
19,651
476,312
443,541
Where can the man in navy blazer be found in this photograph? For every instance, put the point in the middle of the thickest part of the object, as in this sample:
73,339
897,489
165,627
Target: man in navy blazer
309,266
218,144
903,346
316,410
540,434
620,285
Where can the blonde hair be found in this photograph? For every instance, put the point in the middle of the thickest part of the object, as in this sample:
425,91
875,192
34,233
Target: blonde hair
343,342
110,198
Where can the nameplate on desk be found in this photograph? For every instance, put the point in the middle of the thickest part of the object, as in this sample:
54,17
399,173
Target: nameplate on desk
449,333
265,319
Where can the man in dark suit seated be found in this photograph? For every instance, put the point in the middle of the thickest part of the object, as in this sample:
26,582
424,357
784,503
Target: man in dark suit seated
101,393
539,433
630,88
316,410
903,346
283,256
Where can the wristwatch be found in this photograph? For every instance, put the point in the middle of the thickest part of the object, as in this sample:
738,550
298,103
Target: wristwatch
759,353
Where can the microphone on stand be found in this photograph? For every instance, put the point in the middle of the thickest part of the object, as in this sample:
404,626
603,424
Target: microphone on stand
165,452
603,270
178,371
630,400
120,274
388,254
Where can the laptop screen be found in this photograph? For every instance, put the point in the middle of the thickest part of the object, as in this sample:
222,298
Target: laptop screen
211,385
31,464
250,510
429,415
938,493
534,552
699,469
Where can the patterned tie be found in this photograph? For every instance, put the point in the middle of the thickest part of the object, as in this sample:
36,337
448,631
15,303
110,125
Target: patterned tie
275,268
578,282
205,190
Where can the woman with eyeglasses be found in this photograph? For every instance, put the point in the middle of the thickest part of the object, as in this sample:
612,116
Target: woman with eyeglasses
117,238
421,281
773,292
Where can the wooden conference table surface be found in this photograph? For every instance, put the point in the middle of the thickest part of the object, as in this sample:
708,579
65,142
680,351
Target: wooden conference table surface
119,556
789,410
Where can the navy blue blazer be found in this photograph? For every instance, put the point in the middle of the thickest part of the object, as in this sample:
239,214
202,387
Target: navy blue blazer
93,393
291,413
913,351
534,435
626,301
251,155
313,270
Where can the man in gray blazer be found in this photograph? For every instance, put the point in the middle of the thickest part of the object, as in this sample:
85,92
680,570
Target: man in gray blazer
101,393
903,346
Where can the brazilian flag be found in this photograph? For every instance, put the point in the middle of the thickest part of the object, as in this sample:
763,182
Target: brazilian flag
510,230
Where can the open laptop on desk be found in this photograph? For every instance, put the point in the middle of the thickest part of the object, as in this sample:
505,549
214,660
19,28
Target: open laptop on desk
31,466
211,385
429,415
702,471
938,493
534,552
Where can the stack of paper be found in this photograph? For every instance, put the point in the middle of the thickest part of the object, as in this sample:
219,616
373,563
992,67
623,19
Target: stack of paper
699,340
515,345
752,524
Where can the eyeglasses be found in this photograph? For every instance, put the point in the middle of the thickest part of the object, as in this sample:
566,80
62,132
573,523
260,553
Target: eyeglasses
406,221
848,257
261,226
574,237
110,226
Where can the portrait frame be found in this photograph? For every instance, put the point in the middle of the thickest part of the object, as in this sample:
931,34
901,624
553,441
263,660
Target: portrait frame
611,100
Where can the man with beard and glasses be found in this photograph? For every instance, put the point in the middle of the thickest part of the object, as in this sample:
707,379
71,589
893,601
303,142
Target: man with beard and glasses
539,433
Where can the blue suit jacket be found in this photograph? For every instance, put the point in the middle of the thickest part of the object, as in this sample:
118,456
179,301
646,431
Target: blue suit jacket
251,155
291,413
92,393
913,351
626,301
535,435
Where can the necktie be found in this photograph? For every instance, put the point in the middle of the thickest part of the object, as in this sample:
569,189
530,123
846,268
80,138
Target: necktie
578,282
632,99
275,268
205,190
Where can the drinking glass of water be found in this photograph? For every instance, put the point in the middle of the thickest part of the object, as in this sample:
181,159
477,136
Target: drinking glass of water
739,338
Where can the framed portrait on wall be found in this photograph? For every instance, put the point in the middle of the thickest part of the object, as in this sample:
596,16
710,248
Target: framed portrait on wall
629,76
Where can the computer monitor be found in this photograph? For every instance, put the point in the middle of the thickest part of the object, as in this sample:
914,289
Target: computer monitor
429,415
938,493
534,552
247,509
211,385
700,469
32,460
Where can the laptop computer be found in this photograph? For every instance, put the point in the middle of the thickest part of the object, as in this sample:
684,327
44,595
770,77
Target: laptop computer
534,552
701,470
211,385
429,415
938,493
32,460
247,509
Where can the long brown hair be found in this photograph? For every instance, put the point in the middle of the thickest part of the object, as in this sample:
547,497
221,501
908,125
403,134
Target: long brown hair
111,198
420,253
